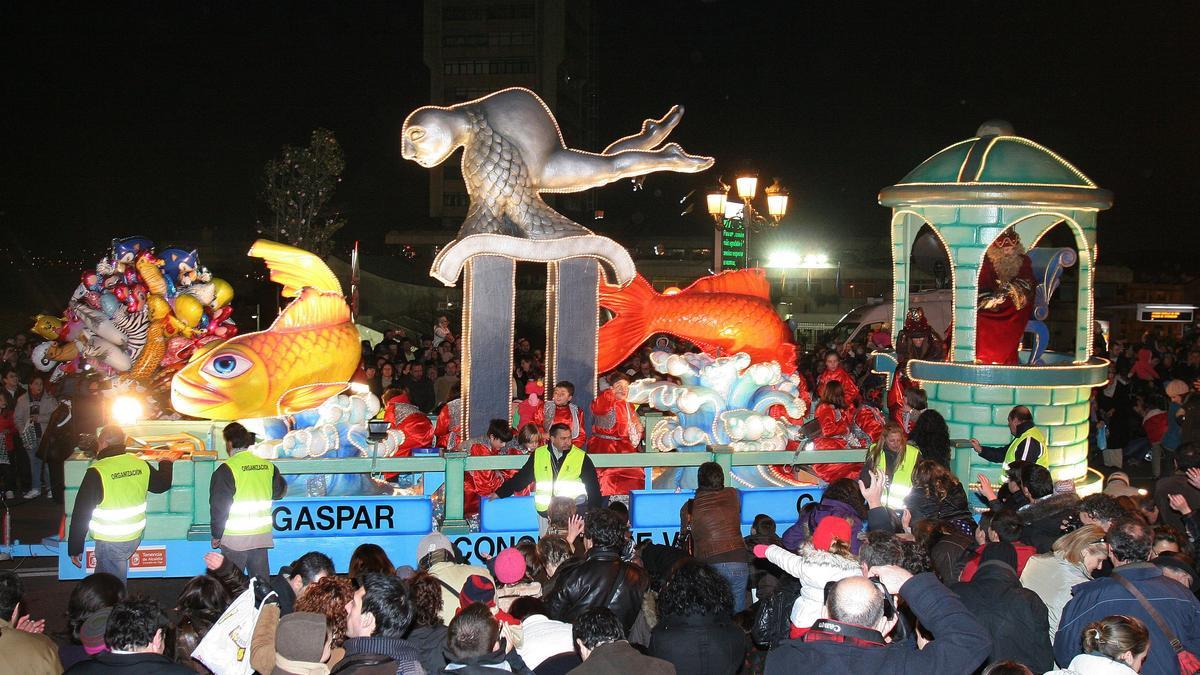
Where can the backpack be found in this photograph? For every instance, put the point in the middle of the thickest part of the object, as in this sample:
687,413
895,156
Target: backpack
772,620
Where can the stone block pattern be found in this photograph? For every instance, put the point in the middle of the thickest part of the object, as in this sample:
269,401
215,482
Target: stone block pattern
982,413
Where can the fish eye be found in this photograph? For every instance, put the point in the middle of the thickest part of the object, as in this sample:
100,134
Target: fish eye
416,134
227,365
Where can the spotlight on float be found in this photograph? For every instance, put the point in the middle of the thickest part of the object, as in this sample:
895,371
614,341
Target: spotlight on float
127,410
359,387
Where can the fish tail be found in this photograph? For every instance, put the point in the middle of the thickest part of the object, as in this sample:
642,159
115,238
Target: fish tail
294,268
622,334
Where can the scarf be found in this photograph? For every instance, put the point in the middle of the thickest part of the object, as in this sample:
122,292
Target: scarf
300,667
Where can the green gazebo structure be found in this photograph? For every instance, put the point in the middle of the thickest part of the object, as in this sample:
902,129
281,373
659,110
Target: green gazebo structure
968,193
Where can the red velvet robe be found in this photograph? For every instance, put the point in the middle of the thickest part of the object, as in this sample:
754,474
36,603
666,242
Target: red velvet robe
613,432
998,331
562,415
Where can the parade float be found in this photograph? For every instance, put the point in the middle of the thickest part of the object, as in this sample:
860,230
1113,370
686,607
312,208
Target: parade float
738,402
988,199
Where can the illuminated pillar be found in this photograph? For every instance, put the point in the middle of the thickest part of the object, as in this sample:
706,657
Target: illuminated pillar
572,326
487,341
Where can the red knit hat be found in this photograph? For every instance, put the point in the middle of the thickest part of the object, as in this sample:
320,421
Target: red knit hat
830,528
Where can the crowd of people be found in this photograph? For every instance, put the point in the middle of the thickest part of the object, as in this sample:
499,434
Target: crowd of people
893,569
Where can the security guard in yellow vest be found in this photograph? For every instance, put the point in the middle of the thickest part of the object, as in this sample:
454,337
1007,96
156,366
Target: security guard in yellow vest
1028,443
111,503
557,470
897,458
239,503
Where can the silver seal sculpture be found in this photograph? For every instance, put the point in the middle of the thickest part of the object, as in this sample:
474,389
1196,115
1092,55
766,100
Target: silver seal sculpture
512,152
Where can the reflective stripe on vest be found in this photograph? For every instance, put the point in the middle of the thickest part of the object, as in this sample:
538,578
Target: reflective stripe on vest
566,484
1037,435
121,514
901,482
253,480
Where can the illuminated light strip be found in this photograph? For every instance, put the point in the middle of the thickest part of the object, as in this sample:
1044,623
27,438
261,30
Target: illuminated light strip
988,183
465,356
551,320
596,376
981,385
948,147
983,159
1084,251
446,268
909,240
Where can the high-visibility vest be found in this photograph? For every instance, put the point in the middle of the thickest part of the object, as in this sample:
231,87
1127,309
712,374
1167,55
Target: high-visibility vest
901,481
253,482
121,514
1037,435
567,483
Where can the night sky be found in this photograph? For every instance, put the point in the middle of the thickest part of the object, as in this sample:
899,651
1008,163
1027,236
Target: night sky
126,118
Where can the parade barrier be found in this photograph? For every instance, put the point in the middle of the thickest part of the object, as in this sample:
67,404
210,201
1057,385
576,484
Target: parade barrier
177,531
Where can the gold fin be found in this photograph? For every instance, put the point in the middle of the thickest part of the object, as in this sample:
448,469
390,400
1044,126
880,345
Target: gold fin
307,396
294,268
313,309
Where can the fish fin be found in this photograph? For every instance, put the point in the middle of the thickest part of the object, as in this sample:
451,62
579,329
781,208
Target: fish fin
741,282
294,268
630,327
313,309
308,396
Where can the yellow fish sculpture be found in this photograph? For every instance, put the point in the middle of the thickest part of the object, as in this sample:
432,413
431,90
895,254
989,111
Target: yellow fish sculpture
305,357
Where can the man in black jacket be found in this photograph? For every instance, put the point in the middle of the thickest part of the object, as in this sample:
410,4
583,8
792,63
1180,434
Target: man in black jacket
242,543
1014,616
113,556
601,579
136,634
860,613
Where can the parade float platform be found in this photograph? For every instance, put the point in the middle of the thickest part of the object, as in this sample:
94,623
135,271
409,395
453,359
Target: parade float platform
177,532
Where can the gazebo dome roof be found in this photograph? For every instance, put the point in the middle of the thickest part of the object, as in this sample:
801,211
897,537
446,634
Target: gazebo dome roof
996,167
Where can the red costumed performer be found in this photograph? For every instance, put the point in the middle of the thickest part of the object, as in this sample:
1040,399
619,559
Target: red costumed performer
418,432
529,407
560,410
834,371
916,340
616,429
481,483
839,431
448,430
1006,287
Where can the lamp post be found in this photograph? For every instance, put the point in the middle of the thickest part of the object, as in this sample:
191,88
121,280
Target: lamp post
747,188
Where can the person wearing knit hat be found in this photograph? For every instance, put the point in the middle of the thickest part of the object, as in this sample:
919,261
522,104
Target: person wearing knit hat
510,569
477,588
302,644
436,555
830,529
1117,485
91,633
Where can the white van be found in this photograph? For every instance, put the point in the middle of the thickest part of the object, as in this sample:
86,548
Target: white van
859,322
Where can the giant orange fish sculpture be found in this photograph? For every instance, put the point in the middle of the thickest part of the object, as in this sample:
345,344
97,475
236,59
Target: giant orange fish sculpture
305,357
722,314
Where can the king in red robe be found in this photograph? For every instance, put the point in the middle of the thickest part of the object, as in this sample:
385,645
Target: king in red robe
1006,288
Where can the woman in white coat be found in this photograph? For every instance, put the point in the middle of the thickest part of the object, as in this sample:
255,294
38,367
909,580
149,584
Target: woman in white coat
1114,645
31,415
825,558
1071,562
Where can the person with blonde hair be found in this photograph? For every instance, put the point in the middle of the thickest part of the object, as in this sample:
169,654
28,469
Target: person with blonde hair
1072,560
1114,645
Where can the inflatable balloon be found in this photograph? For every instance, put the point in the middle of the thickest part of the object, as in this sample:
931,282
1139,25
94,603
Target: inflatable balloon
122,315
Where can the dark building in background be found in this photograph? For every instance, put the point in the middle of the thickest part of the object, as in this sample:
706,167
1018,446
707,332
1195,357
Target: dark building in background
475,47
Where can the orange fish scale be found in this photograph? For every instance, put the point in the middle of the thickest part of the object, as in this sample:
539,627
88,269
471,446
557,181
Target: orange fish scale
703,317
283,352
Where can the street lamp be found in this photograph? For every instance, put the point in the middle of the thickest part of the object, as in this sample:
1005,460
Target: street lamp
717,198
